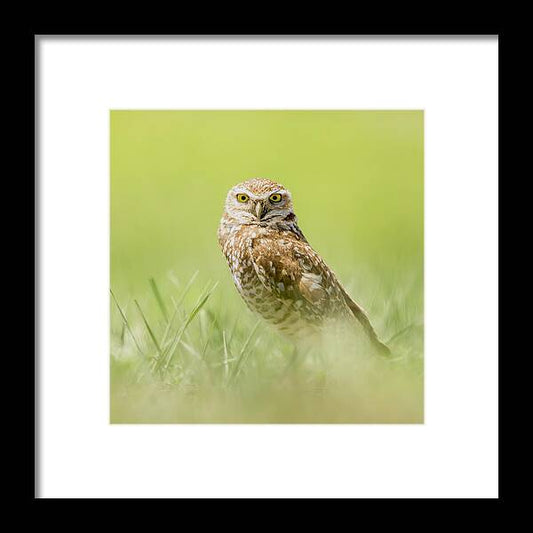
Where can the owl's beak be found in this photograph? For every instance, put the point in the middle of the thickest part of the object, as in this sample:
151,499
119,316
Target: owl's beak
259,210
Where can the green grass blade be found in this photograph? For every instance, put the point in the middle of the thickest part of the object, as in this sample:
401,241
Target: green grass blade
234,327
173,345
214,321
176,308
191,349
122,333
226,357
148,327
126,323
158,298
169,327
243,354
187,288
197,308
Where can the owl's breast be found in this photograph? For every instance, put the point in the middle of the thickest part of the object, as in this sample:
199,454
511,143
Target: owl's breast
237,249
238,255
265,272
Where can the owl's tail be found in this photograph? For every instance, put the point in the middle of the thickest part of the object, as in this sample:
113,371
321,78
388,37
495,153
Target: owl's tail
363,319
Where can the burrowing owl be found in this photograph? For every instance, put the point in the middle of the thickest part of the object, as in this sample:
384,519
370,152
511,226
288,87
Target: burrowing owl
274,268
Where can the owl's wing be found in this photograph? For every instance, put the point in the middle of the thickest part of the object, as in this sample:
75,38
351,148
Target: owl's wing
292,270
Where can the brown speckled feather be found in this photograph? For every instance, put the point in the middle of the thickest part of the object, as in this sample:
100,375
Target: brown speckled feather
293,271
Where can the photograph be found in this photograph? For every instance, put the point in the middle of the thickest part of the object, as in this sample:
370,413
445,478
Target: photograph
266,266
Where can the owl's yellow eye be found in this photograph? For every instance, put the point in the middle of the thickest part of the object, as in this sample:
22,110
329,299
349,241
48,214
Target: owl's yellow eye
275,198
243,198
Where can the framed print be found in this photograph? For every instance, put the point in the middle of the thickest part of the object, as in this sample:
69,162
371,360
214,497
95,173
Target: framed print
267,266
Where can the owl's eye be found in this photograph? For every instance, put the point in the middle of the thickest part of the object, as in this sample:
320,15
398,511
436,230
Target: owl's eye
275,198
243,198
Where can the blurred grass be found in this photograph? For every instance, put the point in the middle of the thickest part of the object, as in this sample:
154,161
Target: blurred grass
357,184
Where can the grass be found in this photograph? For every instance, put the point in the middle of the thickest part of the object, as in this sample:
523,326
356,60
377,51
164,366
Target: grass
192,353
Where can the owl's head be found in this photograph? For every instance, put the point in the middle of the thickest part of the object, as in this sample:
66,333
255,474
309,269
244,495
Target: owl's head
258,201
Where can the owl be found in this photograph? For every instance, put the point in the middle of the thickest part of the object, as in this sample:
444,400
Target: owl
276,271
